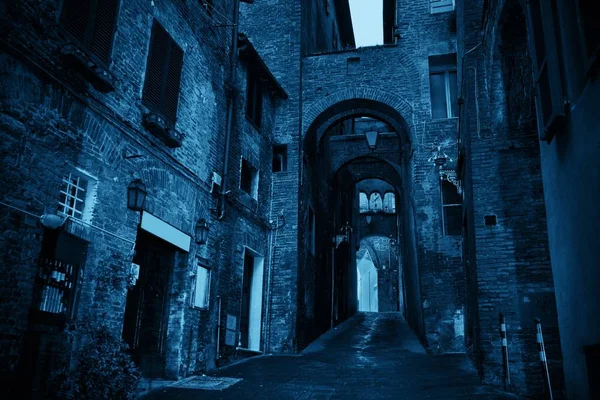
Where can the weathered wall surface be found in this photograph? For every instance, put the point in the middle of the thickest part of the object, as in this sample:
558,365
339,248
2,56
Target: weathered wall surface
509,268
52,121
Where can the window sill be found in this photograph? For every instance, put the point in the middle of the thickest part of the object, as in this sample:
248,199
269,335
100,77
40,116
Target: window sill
81,62
443,119
159,127
253,124
199,308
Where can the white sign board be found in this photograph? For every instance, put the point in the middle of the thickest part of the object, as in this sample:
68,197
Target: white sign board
166,232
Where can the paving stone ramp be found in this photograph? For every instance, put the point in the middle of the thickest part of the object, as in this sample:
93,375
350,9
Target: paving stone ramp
370,356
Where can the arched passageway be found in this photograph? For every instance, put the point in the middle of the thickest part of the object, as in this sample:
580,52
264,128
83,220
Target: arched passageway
356,148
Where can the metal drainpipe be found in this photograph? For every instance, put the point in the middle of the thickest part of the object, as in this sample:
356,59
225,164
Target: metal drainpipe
230,100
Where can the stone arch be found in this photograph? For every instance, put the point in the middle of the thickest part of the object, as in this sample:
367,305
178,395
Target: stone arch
388,107
386,170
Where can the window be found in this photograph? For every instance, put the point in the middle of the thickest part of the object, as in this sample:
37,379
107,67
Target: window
201,287
311,230
58,279
375,202
549,100
279,158
254,99
389,203
451,209
72,195
249,179
440,6
163,74
363,202
92,24
442,82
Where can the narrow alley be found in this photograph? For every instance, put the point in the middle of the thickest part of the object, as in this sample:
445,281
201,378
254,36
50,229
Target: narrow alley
371,356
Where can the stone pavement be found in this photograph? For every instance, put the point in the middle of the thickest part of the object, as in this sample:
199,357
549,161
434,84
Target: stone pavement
371,356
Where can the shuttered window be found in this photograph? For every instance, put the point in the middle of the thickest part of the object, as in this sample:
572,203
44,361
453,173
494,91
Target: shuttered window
254,99
163,74
546,70
92,24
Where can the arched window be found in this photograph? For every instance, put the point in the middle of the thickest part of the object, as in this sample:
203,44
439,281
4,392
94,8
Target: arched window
375,202
363,202
389,203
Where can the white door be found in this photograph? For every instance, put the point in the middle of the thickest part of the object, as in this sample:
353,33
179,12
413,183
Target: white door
256,297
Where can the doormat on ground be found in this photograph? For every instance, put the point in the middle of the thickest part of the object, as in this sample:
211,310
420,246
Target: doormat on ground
205,383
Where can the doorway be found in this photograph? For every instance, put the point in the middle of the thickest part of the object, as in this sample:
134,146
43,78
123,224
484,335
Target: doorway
368,292
146,310
252,299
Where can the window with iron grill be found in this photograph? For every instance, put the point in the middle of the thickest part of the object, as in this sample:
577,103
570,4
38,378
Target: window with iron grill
254,99
163,74
92,24
72,195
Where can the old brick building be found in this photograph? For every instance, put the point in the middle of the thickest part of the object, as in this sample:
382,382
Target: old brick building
279,163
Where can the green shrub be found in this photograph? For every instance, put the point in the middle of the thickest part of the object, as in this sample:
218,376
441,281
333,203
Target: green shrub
102,369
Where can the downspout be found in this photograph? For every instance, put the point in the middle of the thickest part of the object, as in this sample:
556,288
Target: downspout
230,93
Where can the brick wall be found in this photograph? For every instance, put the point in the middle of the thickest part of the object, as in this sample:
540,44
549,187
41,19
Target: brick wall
52,120
509,266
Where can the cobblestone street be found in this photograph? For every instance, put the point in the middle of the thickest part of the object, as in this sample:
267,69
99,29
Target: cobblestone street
372,356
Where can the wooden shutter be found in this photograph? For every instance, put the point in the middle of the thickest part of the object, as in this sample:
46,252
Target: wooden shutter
75,18
163,74
546,68
155,68
105,18
173,81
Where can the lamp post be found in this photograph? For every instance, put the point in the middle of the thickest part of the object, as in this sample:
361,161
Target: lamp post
136,195
202,230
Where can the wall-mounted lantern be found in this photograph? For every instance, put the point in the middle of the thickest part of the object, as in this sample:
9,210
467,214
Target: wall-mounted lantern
372,139
136,195
201,233
439,158
344,236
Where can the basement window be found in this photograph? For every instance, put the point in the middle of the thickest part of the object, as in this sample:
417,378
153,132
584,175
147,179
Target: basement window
92,25
254,99
441,6
279,158
163,74
249,179
443,86
201,289
451,209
